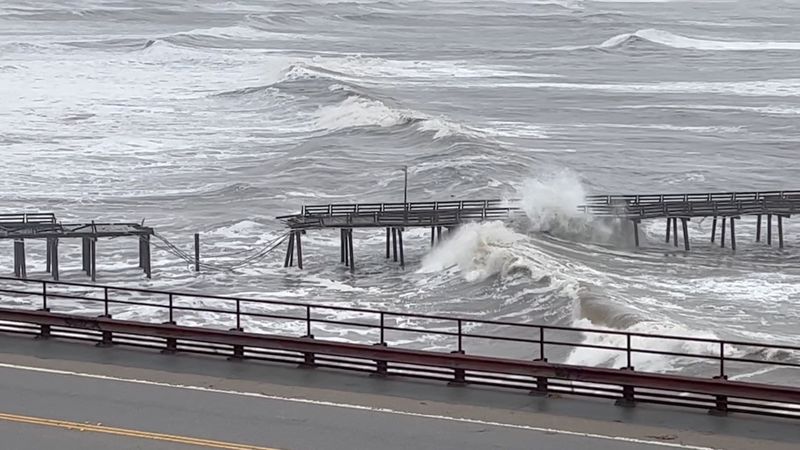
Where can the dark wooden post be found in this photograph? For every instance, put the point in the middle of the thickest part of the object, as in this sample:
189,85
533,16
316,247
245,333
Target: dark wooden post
722,234
49,256
93,258
733,234
394,243
54,259
439,233
16,259
684,221
636,232
23,266
388,239
675,231
433,235
714,229
758,228
669,225
341,245
148,270
197,252
350,247
299,251
780,231
289,251
769,229
85,253
400,244
141,252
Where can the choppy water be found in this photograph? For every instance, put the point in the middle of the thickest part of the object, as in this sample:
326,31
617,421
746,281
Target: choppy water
217,116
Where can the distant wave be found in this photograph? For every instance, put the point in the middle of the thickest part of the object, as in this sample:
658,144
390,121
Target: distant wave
683,42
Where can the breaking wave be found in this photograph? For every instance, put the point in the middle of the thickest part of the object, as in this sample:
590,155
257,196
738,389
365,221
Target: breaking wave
677,41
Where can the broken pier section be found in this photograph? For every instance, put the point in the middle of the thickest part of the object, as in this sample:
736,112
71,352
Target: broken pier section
29,226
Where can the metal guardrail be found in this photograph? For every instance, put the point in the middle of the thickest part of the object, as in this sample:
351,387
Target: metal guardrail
693,197
27,218
376,353
370,208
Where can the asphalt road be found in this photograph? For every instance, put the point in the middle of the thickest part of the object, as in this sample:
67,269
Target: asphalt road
55,395
45,401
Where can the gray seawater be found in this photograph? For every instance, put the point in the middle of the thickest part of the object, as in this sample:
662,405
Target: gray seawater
215,117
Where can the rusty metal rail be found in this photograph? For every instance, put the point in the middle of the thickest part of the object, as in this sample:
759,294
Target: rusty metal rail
375,351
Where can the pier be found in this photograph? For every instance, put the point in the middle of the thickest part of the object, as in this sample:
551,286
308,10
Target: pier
395,218
768,208
722,208
29,226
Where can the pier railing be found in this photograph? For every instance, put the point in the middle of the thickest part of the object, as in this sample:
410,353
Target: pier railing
372,341
27,218
371,208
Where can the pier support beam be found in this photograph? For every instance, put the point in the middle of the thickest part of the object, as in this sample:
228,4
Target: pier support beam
289,260
388,243
350,248
400,244
733,233
433,236
636,232
49,256
93,258
53,244
769,229
85,255
722,232
299,249
669,228
148,269
758,228
394,243
780,232
20,270
675,231
684,223
713,229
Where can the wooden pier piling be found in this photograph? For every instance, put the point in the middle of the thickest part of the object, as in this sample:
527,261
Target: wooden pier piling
394,243
780,231
722,234
758,228
297,235
675,231
713,229
53,243
733,233
197,252
684,223
400,244
635,232
350,248
669,229
769,229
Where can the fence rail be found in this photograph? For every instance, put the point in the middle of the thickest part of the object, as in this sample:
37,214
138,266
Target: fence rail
464,336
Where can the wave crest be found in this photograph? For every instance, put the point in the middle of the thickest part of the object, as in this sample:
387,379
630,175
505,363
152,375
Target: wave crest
677,41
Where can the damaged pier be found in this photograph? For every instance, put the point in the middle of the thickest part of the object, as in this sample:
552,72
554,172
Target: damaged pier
394,218
22,227
722,208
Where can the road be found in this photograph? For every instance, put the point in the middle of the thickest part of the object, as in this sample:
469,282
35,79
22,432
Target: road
72,396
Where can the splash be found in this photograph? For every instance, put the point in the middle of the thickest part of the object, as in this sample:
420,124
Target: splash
552,201
477,250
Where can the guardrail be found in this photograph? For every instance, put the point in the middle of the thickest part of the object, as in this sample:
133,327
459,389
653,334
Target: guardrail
695,197
369,208
378,348
27,218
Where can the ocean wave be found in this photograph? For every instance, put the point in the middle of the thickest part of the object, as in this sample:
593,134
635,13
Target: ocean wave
677,41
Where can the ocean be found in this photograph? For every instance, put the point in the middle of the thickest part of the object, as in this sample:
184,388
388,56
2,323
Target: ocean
216,117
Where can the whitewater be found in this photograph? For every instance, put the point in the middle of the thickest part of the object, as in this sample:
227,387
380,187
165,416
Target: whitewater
217,117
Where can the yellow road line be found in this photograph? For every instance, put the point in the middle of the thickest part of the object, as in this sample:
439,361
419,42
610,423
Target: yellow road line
84,427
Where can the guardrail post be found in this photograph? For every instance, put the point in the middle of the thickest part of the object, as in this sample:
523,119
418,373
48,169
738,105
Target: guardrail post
172,343
720,401
627,399
238,350
197,252
309,360
44,330
459,375
541,382
107,339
